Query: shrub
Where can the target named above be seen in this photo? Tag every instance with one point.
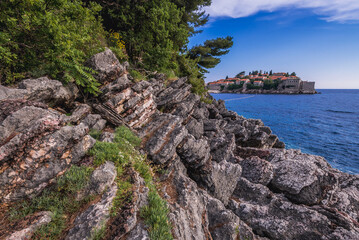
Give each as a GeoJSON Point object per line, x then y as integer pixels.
{"type": "Point", "coordinates": [49, 38]}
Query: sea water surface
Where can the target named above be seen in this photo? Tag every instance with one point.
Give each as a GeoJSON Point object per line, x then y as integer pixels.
{"type": "Point", "coordinates": [325, 124]}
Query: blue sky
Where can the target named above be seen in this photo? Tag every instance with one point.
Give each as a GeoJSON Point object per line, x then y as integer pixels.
{"type": "Point", "coordinates": [317, 39]}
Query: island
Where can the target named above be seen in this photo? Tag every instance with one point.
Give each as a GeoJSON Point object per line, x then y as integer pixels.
{"type": "Point", "coordinates": [259, 82]}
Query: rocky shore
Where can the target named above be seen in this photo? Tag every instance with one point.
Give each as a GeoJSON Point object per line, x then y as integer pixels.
{"type": "Point", "coordinates": [223, 176]}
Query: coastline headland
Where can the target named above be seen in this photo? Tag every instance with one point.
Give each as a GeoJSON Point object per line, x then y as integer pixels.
{"type": "Point", "coordinates": [263, 83]}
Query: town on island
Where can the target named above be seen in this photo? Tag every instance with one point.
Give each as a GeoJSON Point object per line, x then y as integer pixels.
{"type": "Point", "coordinates": [259, 82]}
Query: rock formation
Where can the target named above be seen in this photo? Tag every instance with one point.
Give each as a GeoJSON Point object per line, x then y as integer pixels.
{"type": "Point", "coordinates": [225, 176]}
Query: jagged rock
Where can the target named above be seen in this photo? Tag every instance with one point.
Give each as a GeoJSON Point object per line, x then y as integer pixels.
{"type": "Point", "coordinates": [102, 178]}
{"type": "Point", "coordinates": [257, 170]}
{"type": "Point", "coordinates": [345, 197]}
{"type": "Point", "coordinates": [141, 86]}
{"type": "Point", "coordinates": [93, 218]}
{"type": "Point", "coordinates": [200, 112]}
{"type": "Point", "coordinates": [185, 107]}
{"type": "Point", "coordinates": [37, 220]}
{"type": "Point", "coordinates": [200, 215]}
{"type": "Point", "coordinates": [213, 112]}
{"type": "Point", "coordinates": [171, 96]}
{"type": "Point", "coordinates": [116, 86]}
{"type": "Point", "coordinates": [107, 66]}
{"type": "Point", "coordinates": [223, 224]}
{"type": "Point", "coordinates": [302, 177]}
{"type": "Point", "coordinates": [195, 128]}
{"type": "Point", "coordinates": [12, 93]}
{"type": "Point", "coordinates": [49, 91]}
{"type": "Point", "coordinates": [211, 125]}
{"type": "Point", "coordinates": [194, 153]}
{"type": "Point", "coordinates": [163, 140]}
{"type": "Point", "coordinates": [222, 148]}
{"type": "Point", "coordinates": [94, 121]}
{"type": "Point", "coordinates": [250, 192]}
{"type": "Point", "coordinates": [224, 177]}
{"type": "Point", "coordinates": [36, 149]}
{"type": "Point", "coordinates": [81, 111]}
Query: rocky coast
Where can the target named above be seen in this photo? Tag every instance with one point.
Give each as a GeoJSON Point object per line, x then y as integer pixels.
{"type": "Point", "coordinates": [223, 176]}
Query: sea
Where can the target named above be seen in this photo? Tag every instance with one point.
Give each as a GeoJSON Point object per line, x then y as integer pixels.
{"type": "Point", "coordinates": [325, 124]}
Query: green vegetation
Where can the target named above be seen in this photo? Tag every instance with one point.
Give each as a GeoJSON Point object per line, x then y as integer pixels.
{"type": "Point", "coordinates": [235, 86]}
{"type": "Point", "coordinates": [123, 154]}
{"type": "Point", "coordinates": [138, 76]}
{"type": "Point", "coordinates": [56, 37]}
{"type": "Point", "coordinates": [251, 86]}
{"type": "Point", "coordinates": [95, 133]}
{"type": "Point", "coordinates": [270, 84]}
{"type": "Point", "coordinates": [155, 215]}
{"type": "Point", "coordinates": [60, 200]}
{"type": "Point", "coordinates": [49, 38]}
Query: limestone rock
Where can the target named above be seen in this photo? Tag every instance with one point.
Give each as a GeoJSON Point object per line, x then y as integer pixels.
{"type": "Point", "coordinates": [257, 170]}
{"type": "Point", "coordinates": [102, 178]}
{"type": "Point", "coordinates": [194, 153]}
{"type": "Point", "coordinates": [161, 146]}
{"type": "Point", "coordinates": [93, 218]}
{"type": "Point", "coordinates": [302, 177]}
{"type": "Point", "coordinates": [224, 176]}
{"type": "Point", "coordinates": [107, 66]}
{"type": "Point", "coordinates": [35, 149]}
{"type": "Point", "coordinates": [49, 91]}
{"type": "Point", "coordinates": [195, 128]}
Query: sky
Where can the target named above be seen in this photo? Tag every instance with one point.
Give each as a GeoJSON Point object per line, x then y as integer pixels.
{"type": "Point", "coordinates": [317, 39]}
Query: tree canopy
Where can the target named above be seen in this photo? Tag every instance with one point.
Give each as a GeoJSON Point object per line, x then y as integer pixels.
{"type": "Point", "coordinates": [56, 37]}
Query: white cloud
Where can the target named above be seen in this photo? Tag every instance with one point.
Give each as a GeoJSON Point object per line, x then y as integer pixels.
{"type": "Point", "coordinates": [331, 10]}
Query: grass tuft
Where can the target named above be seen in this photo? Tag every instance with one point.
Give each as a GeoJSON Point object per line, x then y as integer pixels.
{"type": "Point", "coordinates": [156, 216]}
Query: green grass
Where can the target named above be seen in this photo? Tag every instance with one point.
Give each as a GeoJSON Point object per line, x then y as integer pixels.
{"type": "Point", "coordinates": [155, 215]}
{"type": "Point", "coordinates": [60, 200]}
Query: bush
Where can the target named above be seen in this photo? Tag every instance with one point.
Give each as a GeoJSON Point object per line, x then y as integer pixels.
{"type": "Point", "coordinates": [50, 38]}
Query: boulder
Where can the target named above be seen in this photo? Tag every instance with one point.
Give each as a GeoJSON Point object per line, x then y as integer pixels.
{"type": "Point", "coordinates": [194, 153]}
{"type": "Point", "coordinates": [106, 65]}
{"type": "Point", "coordinates": [49, 91]}
{"type": "Point", "coordinates": [224, 176]}
{"type": "Point", "coordinates": [257, 170]}
{"type": "Point", "coordinates": [301, 177]}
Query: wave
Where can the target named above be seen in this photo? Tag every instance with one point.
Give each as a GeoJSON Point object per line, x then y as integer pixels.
{"type": "Point", "coordinates": [335, 111]}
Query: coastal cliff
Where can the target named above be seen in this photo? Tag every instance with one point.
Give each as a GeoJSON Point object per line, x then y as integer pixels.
{"type": "Point", "coordinates": [218, 175]}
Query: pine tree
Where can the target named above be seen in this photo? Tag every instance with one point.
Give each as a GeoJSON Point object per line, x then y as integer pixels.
{"type": "Point", "coordinates": [207, 53]}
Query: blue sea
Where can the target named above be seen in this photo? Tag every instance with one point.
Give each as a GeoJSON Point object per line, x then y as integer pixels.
{"type": "Point", "coordinates": [325, 124]}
